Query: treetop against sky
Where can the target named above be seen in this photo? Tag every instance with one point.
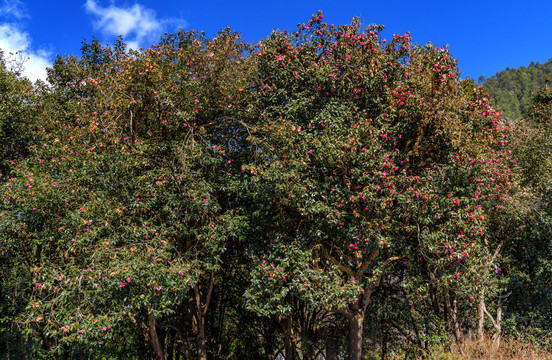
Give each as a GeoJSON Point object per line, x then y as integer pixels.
{"type": "Point", "coordinates": [486, 37]}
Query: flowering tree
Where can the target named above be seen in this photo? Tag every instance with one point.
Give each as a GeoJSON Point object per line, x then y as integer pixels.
{"type": "Point", "coordinates": [17, 113]}
{"type": "Point", "coordinates": [373, 156]}
{"type": "Point", "coordinates": [123, 204]}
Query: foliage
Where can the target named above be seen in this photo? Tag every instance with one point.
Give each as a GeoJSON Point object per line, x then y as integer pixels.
{"type": "Point", "coordinates": [322, 192]}
{"type": "Point", "coordinates": [373, 155]}
{"type": "Point", "coordinates": [512, 89]}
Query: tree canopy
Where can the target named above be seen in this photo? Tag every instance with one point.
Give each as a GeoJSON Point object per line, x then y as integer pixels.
{"type": "Point", "coordinates": [299, 197]}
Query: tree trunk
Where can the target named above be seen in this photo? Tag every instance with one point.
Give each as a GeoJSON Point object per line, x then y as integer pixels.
{"type": "Point", "coordinates": [497, 323]}
{"type": "Point", "coordinates": [356, 319]}
{"type": "Point", "coordinates": [384, 338]}
{"type": "Point", "coordinates": [185, 349]}
{"type": "Point", "coordinates": [457, 331]}
{"type": "Point", "coordinates": [452, 316]}
{"type": "Point", "coordinates": [198, 310]}
{"type": "Point", "coordinates": [198, 326]}
{"type": "Point", "coordinates": [169, 344]}
{"type": "Point", "coordinates": [331, 350]}
{"type": "Point", "coordinates": [153, 336]}
{"type": "Point", "coordinates": [289, 337]}
{"type": "Point", "coordinates": [200, 341]}
{"type": "Point", "coordinates": [498, 326]}
{"type": "Point", "coordinates": [481, 317]}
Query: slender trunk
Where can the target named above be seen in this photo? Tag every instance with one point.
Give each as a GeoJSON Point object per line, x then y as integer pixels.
{"type": "Point", "coordinates": [481, 316]}
{"type": "Point", "coordinates": [446, 311]}
{"type": "Point", "coordinates": [198, 309]}
{"type": "Point", "coordinates": [169, 344]}
{"type": "Point", "coordinates": [185, 350]}
{"type": "Point", "coordinates": [198, 326]}
{"type": "Point", "coordinates": [455, 322]}
{"type": "Point", "coordinates": [356, 319]}
{"type": "Point", "coordinates": [498, 322]}
{"type": "Point", "coordinates": [498, 325]}
{"type": "Point", "coordinates": [154, 337]}
{"type": "Point", "coordinates": [221, 317]}
{"type": "Point", "coordinates": [384, 338]}
{"type": "Point", "coordinates": [434, 300]}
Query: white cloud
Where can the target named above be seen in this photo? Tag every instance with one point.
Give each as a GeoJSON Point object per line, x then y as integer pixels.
{"type": "Point", "coordinates": [13, 40]}
{"type": "Point", "coordinates": [13, 8]}
{"type": "Point", "coordinates": [137, 24]}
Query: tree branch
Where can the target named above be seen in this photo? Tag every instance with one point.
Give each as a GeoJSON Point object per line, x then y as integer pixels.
{"type": "Point", "coordinates": [336, 263]}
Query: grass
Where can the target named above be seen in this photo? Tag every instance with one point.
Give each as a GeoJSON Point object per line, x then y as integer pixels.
{"type": "Point", "coordinates": [509, 349]}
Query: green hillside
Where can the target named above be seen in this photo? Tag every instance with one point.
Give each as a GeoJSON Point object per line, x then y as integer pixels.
{"type": "Point", "coordinates": [512, 88]}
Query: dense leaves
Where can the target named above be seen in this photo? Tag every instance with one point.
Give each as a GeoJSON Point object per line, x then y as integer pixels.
{"type": "Point", "coordinates": [513, 89]}
{"type": "Point", "coordinates": [208, 198]}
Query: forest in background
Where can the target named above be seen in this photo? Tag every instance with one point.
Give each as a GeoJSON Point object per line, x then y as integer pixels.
{"type": "Point", "coordinates": [513, 89]}
{"type": "Point", "coordinates": [322, 193]}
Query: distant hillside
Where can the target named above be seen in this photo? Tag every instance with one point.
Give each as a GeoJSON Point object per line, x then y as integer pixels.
{"type": "Point", "coordinates": [512, 88]}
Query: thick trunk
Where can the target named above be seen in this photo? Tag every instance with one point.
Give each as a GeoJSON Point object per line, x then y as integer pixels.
{"type": "Point", "coordinates": [356, 319]}
{"type": "Point", "coordinates": [154, 337]}
{"type": "Point", "coordinates": [331, 350]}
{"type": "Point", "coordinates": [200, 341]}
{"type": "Point", "coordinates": [311, 353]}
{"type": "Point", "coordinates": [290, 344]}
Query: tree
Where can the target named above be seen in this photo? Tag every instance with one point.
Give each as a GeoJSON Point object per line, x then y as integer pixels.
{"type": "Point", "coordinates": [373, 155]}
{"type": "Point", "coordinates": [124, 205]}
{"type": "Point", "coordinates": [18, 111]}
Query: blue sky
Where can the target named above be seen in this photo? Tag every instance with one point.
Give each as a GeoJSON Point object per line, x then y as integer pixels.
{"type": "Point", "coordinates": [485, 36]}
